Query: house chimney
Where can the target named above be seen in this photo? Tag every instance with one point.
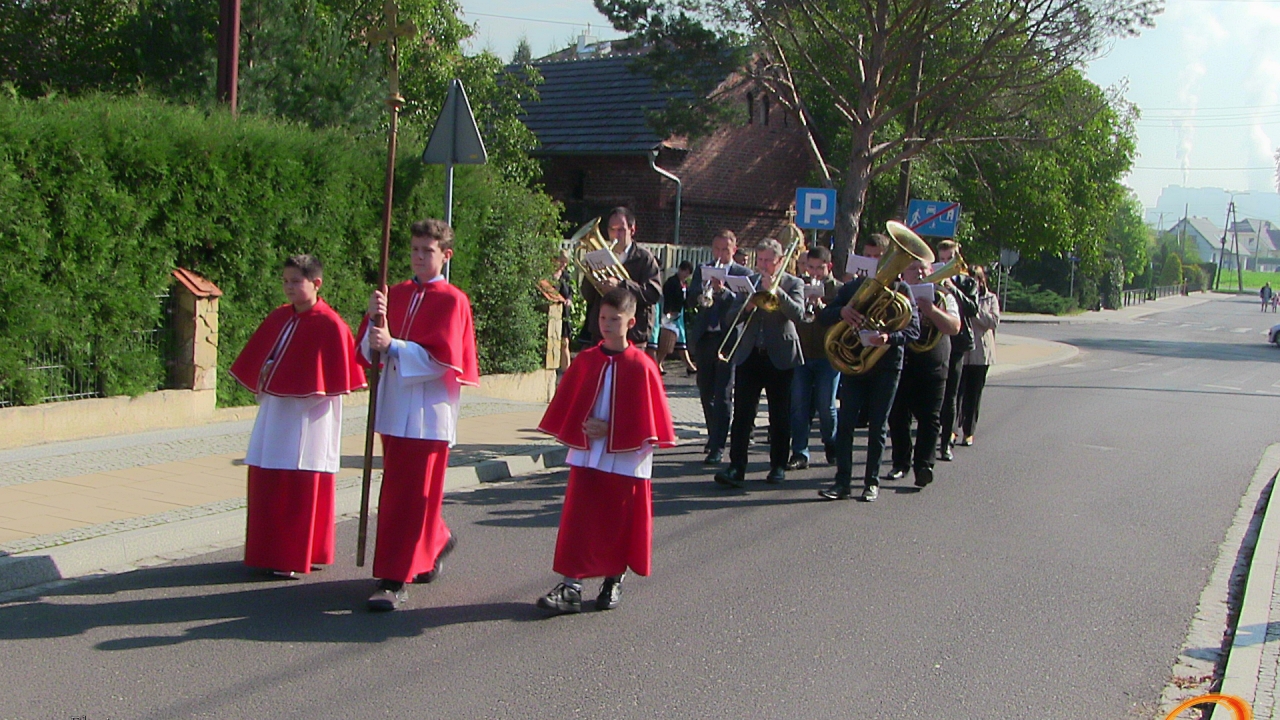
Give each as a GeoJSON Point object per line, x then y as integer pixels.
{"type": "Point", "coordinates": [586, 43]}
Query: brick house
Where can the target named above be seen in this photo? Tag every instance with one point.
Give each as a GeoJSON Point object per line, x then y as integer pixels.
{"type": "Point", "coordinates": [598, 151]}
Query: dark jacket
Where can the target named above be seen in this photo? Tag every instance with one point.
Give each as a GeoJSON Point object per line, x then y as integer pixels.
{"type": "Point", "coordinates": [966, 296]}
{"type": "Point", "coordinates": [781, 342]}
{"type": "Point", "coordinates": [812, 333]}
{"type": "Point", "coordinates": [717, 314]}
{"type": "Point", "coordinates": [644, 284]}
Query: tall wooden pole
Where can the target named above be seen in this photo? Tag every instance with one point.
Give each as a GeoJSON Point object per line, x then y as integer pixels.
{"type": "Point", "coordinates": [388, 34]}
{"type": "Point", "coordinates": [229, 53]}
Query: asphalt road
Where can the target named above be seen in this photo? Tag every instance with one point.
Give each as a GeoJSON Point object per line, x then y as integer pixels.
{"type": "Point", "coordinates": [1051, 571]}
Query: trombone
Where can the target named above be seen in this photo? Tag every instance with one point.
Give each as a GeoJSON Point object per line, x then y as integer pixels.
{"type": "Point", "coordinates": [766, 300]}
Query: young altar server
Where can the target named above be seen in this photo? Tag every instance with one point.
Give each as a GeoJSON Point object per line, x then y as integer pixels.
{"type": "Point", "coordinates": [299, 362]}
{"type": "Point", "coordinates": [429, 352]}
{"type": "Point", "coordinates": [611, 410]}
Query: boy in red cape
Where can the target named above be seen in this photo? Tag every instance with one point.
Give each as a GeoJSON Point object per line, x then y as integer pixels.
{"type": "Point", "coordinates": [428, 345]}
{"type": "Point", "coordinates": [611, 410]}
{"type": "Point", "coordinates": [299, 362]}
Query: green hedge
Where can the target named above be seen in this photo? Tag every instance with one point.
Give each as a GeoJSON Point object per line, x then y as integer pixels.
{"type": "Point", "coordinates": [101, 197]}
{"type": "Point", "coordinates": [1032, 299]}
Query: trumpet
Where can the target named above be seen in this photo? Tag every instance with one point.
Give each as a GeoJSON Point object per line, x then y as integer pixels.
{"type": "Point", "coordinates": [886, 310]}
{"type": "Point", "coordinates": [766, 300]}
{"type": "Point", "coordinates": [603, 275]}
{"type": "Point", "coordinates": [955, 266]}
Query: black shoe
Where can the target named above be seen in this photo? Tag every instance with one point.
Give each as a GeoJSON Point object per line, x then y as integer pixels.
{"type": "Point", "coordinates": [731, 476]}
{"type": "Point", "coordinates": [562, 598]}
{"type": "Point", "coordinates": [798, 462]}
{"type": "Point", "coordinates": [713, 457]}
{"type": "Point", "coordinates": [945, 453]}
{"type": "Point", "coordinates": [389, 596]}
{"type": "Point", "coordinates": [428, 576]}
{"type": "Point", "coordinates": [830, 450]}
{"type": "Point", "coordinates": [836, 492]}
{"type": "Point", "coordinates": [896, 474]}
{"type": "Point", "coordinates": [776, 475]}
{"type": "Point", "coordinates": [610, 594]}
{"type": "Point", "coordinates": [924, 476]}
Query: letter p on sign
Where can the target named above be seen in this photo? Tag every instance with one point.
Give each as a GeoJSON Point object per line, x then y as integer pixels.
{"type": "Point", "coordinates": [816, 208]}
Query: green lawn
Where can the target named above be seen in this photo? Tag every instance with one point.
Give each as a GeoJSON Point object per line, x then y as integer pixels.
{"type": "Point", "coordinates": [1253, 280]}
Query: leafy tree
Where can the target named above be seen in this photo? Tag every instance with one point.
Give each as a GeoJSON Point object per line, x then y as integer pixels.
{"type": "Point", "coordinates": [1171, 271]}
{"type": "Point", "coordinates": [895, 79]}
{"type": "Point", "coordinates": [523, 54]}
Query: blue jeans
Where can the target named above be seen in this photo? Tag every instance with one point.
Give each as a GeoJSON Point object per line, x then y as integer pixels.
{"type": "Point", "coordinates": [813, 387]}
{"type": "Point", "coordinates": [874, 390]}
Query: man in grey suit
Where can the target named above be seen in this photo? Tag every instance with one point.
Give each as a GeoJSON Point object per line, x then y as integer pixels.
{"type": "Point", "coordinates": [764, 360]}
{"type": "Point", "coordinates": [712, 300]}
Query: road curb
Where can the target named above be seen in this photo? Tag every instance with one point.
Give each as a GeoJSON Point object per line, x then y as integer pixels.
{"type": "Point", "coordinates": [168, 541]}
{"type": "Point", "coordinates": [1062, 353]}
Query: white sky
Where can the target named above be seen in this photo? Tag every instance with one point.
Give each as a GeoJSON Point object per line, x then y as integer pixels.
{"type": "Point", "coordinates": [1207, 79]}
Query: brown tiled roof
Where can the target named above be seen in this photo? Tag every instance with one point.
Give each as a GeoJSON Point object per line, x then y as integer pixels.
{"type": "Point", "coordinates": [199, 286]}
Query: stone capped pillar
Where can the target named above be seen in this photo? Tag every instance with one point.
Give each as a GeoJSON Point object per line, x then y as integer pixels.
{"type": "Point", "coordinates": [195, 320]}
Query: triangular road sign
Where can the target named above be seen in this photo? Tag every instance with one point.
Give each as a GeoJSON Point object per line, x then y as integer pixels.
{"type": "Point", "coordinates": [455, 139]}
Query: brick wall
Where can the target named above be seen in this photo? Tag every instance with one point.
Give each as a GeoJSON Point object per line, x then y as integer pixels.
{"type": "Point", "coordinates": [742, 177]}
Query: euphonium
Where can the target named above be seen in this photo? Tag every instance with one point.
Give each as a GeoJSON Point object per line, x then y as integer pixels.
{"type": "Point", "coordinates": [589, 239]}
{"type": "Point", "coordinates": [885, 310]}
{"type": "Point", "coordinates": [928, 341]}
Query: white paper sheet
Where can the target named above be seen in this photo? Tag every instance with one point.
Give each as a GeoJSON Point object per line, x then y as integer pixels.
{"type": "Point", "coordinates": [739, 284]}
{"type": "Point", "coordinates": [861, 266]}
{"type": "Point", "coordinates": [922, 292]}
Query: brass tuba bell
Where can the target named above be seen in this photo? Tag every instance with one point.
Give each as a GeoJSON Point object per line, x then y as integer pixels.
{"type": "Point", "coordinates": [886, 310]}
{"type": "Point", "coordinates": [955, 266]}
{"type": "Point", "coordinates": [590, 240]}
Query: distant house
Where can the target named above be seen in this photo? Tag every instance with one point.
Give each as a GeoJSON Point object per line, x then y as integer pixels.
{"type": "Point", "coordinates": [1257, 242]}
{"type": "Point", "coordinates": [598, 151]}
{"type": "Point", "coordinates": [1205, 234]}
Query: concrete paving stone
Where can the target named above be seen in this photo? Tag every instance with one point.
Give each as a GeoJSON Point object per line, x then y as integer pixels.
{"type": "Point", "coordinates": [7, 535]}
{"type": "Point", "coordinates": [38, 524]}
{"type": "Point", "coordinates": [134, 474]}
{"type": "Point", "coordinates": [90, 515]}
{"type": "Point", "coordinates": [107, 479]}
{"type": "Point", "coordinates": [51, 487]}
{"type": "Point", "coordinates": [140, 506]}
{"type": "Point", "coordinates": [20, 509]}
{"type": "Point", "coordinates": [66, 502]}
{"type": "Point", "coordinates": [13, 494]}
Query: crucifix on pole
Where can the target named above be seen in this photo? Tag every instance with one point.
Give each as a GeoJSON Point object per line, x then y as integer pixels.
{"type": "Point", "coordinates": [389, 33]}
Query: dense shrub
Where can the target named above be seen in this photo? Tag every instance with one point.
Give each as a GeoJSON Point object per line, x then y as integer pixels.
{"type": "Point", "coordinates": [1112, 285]}
{"type": "Point", "coordinates": [100, 198]}
{"type": "Point", "coordinates": [1031, 299]}
{"type": "Point", "coordinates": [1171, 271]}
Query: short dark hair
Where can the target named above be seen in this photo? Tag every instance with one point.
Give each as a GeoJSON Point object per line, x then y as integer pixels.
{"type": "Point", "coordinates": [948, 245]}
{"type": "Point", "coordinates": [819, 253]}
{"type": "Point", "coordinates": [685, 265]}
{"type": "Point", "coordinates": [727, 234]}
{"type": "Point", "coordinates": [625, 212]}
{"type": "Point", "coordinates": [620, 298]}
{"type": "Point", "coordinates": [309, 265]}
{"type": "Point", "coordinates": [434, 229]}
{"type": "Point", "coordinates": [880, 240]}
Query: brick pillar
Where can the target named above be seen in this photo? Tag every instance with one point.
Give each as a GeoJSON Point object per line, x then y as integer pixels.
{"type": "Point", "coordinates": [555, 323]}
{"type": "Point", "coordinates": [195, 318]}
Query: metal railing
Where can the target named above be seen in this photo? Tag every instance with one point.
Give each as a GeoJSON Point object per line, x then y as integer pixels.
{"type": "Point", "coordinates": [1136, 296]}
{"type": "Point", "coordinates": [67, 371]}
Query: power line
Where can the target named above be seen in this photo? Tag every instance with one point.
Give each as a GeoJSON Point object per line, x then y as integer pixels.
{"type": "Point", "coordinates": [1198, 169]}
{"type": "Point", "coordinates": [537, 20]}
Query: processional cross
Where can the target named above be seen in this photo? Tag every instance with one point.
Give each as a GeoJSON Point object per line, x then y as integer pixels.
{"type": "Point", "coordinates": [389, 33]}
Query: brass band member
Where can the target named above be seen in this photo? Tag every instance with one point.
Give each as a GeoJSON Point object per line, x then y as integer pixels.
{"type": "Point", "coordinates": [764, 359]}
{"type": "Point", "coordinates": [645, 282]}
{"type": "Point", "coordinates": [872, 392]}
{"type": "Point", "coordinates": [965, 291]}
{"type": "Point", "coordinates": [815, 383]}
{"type": "Point", "coordinates": [924, 377]}
{"type": "Point", "coordinates": [711, 300]}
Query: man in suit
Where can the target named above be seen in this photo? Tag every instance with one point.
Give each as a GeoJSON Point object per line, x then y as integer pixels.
{"type": "Point", "coordinates": [645, 279]}
{"type": "Point", "coordinates": [815, 383]}
{"type": "Point", "coordinates": [764, 360]}
{"type": "Point", "coordinates": [711, 300]}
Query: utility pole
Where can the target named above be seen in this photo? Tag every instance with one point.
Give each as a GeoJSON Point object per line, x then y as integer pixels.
{"type": "Point", "coordinates": [904, 170]}
{"type": "Point", "coordinates": [229, 53]}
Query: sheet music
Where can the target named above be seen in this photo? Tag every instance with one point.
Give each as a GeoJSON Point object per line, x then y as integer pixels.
{"type": "Point", "coordinates": [923, 291]}
{"type": "Point", "coordinates": [813, 291]}
{"type": "Point", "coordinates": [936, 267]}
{"type": "Point", "coordinates": [861, 266]}
{"type": "Point", "coordinates": [598, 259]}
{"type": "Point", "coordinates": [711, 271]}
{"type": "Point", "coordinates": [739, 284]}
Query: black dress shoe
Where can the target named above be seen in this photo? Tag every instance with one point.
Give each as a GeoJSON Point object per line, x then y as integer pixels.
{"type": "Point", "coordinates": [836, 492]}
{"type": "Point", "coordinates": [896, 474]}
{"type": "Point", "coordinates": [732, 477]}
{"type": "Point", "coordinates": [713, 458]}
{"type": "Point", "coordinates": [798, 462]}
{"type": "Point", "coordinates": [776, 475]}
{"type": "Point", "coordinates": [830, 450]}
{"type": "Point", "coordinates": [945, 453]}
{"type": "Point", "coordinates": [389, 596]}
{"type": "Point", "coordinates": [924, 476]}
{"type": "Point", "coordinates": [428, 576]}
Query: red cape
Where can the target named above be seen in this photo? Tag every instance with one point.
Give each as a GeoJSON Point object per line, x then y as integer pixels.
{"type": "Point", "coordinates": [440, 322]}
{"type": "Point", "coordinates": [316, 355]}
{"type": "Point", "coordinates": [638, 410]}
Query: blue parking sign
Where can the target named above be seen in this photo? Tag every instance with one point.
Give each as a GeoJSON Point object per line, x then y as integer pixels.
{"type": "Point", "coordinates": [936, 218]}
{"type": "Point", "coordinates": [815, 208]}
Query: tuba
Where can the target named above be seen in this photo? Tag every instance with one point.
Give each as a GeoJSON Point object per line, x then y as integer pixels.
{"type": "Point", "coordinates": [955, 266]}
{"type": "Point", "coordinates": [885, 310]}
{"type": "Point", "coordinates": [590, 240]}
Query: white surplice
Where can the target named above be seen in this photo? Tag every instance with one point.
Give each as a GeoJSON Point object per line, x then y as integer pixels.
{"type": "Point", "coordinates": [636, 464]}
{"type": "Point", "coordinates": [297, 434]}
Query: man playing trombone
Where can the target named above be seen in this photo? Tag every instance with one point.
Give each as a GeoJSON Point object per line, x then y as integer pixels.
{"type": "Point", "coordinates": [764, 356]}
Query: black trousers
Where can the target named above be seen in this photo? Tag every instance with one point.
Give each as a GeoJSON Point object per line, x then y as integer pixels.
{"type": "Point", "coordinates": [757, 373]}
{"type": "Point", "coordinates": [971, 385]}
{"type": "Point", "coordinates": [919, 396]}
{"type": "Point", "coordinates": [950, 398]}
{"type": "Point", "coordinates": [715, 389]}
{"type": "Point", "coordinates": [869, 396]}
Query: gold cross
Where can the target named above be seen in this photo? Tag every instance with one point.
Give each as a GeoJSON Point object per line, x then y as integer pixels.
{"type": "Point", "coordinates": [389, 33]}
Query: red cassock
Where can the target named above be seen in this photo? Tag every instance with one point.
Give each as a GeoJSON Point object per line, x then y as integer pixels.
{"type": "Point", "coordinates": [606, 525]}
{"type": "Point", "coordinates": [295, 357]}
{"type": "Point", "coordinates": [411, 527]}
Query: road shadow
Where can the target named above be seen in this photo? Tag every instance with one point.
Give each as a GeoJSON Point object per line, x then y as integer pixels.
{"type": "Point", "coordinates": [276, 612]}
{"type": "Point", "coordinates": [1184, 349]}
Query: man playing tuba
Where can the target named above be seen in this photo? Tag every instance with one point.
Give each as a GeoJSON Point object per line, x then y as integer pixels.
{"type": "Point", "coordinates": [644, 280]}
